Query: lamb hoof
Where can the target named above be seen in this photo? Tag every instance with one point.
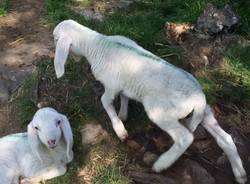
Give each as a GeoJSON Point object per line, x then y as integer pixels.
{"type": "Point", "coordinates": [242, 179]}
{"type": "Point", "coordinates": [120, 130]}
{"type": "Point", "coordinates": [240, 174]}
{"type": "Point", "coordinates": [157, 168]}
{"type": "Point", "coordinates": [123, 136]}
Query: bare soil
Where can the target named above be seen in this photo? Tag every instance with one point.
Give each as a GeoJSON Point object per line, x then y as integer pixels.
{"type": "Point", "coordinates": [24, 38]}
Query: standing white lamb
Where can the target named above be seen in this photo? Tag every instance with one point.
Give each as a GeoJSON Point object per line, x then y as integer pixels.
{"type": "Point", "coordinates": [39, 154]}
{"type": "Point", "coordinates": [167, 93]}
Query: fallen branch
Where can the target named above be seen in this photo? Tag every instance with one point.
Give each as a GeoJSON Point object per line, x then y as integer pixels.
{"type": "Point", "coordinates": [147, 177]}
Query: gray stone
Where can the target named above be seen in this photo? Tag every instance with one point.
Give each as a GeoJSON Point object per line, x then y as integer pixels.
{"type": "Point", "coordinates": [149, 158]}
{"type": "Point", "coordinates": [214, 21]}
{"type": "Point", "coordinates": [99, 9]}
{"type": "Point", "coordinates": [92, 15]}
{"type": "Point", "coordinates": [93, 134]}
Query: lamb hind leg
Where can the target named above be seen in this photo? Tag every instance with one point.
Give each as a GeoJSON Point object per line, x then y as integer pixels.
{"type": "Point", "coordinates": [182, 140]}
{"type": "Point", "coordinates": [226, 143]}
{"type": "Point", "coordinates": [117, 124]}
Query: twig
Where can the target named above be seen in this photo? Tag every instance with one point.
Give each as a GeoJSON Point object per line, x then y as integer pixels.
{"type": "Point", "coordinates": [16, 41]}
{"type": "Point", "coordinates": [171, 54]}
{"type": "Point", "coordinates": [14, 97]}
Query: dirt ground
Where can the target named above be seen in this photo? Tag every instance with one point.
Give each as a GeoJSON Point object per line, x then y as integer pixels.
{"type": "Point", "coordinates": [23, 39]}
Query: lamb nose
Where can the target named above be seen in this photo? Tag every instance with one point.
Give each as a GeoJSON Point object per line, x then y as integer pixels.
{"type": "Point", "coordinates": [51, 142]}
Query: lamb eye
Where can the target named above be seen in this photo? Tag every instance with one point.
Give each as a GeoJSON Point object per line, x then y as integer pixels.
{"type": "Point", "coordinates": [36, 128]}
{"type": "Point", "coordinates": [58, 122]}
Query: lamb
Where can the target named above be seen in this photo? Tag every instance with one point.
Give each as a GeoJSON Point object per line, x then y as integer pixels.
{"type": "Point", "coordinates": [40, 153]}
{"type": "Point", "coordinates": [167, 93]}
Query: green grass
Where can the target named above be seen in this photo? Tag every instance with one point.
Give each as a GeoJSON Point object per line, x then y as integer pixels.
{"type": "Point", "coordinates": [74, 93]}
{"type": "Point", "coordinates": [237, 72]}
{"type": "Point", "coordinates": [209, 87]}
{"type": "Point", "coordinates": [110, 175]}
{"type": "Point", "coordinates": [4, 7]}
{"type": "Point", "coordinates": [26, 98]}
{"type": "Point", "coordinates": [231, 83]}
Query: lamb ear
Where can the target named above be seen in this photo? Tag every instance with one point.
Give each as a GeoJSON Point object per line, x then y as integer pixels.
{"type": "Point", "coordinates": [67, 132]}
{"type": "Point", "coordinates": [61, 55]}
{"type": "Point", "coordinates": [33, 140]}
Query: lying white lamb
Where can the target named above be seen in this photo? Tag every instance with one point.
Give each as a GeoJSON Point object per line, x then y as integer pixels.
{"type": "Point", "coordinates": [41, 153]}
{"type": "Point", "coordinates": [167, 93]}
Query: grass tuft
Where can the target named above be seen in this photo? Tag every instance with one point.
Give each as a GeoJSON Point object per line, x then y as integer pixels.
{"type": "Point", "coordinates": [110, 175]}
{"type": "Point", "coordinates": [26, 96]}
{"type": "Point", "coordinates": [4, 7]}
{"type": "Point", "coordinates": [209, 87]}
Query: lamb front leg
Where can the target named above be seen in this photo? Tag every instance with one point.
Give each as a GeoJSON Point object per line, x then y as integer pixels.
{"type": "Point", "coordinates": [123, 113]}
{"type": "Point", "coordinates": [46, 174]}
{"type": "Point", "coordinates": [107, 102]}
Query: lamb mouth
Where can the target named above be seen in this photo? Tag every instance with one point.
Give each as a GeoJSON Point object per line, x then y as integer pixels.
{"type": "Point", "coordinates": [52, 147]}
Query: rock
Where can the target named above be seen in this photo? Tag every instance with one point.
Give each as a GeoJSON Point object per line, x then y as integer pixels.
{"type": "Point", "coordinates": [4, 93]}
{"type": "Point", "coordinates": [201, 146]}
{"type": "Point", "coordinates": [93, 134]}
{"type": "Point", "coordinates": [99, 9]}
{"type": "Point", "coordinates": [149, 158]}
{"type": "Point", "coordinates": [133, 145]}
{"type": "Point", "coordinates": [194, 173]}
{"type": "Point", "coordinates": [214, 21]}
{"type": "Point", "coordinates": [135, 150]}
{"type": "Point", "coordinates": [222, 160]}
{"type": "Point", "coordinates": [92, 15]}
{"type": "Point", "coordinates": [162, 142]}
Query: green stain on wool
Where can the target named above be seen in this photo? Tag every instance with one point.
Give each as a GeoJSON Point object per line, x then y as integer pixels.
{"type": "Point", "coordinates": [153, 57]}
{"type": "Point", "coordinates": [141, 53]}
